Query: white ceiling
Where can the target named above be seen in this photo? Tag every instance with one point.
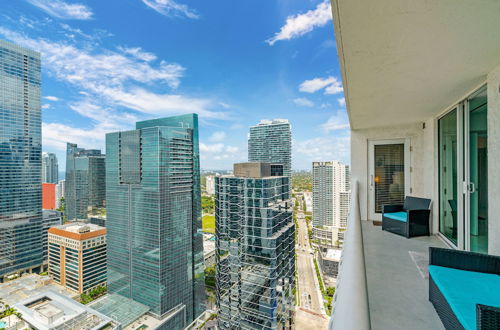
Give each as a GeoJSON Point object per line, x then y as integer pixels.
{"type": "Point", "coordinates": [404, 61]}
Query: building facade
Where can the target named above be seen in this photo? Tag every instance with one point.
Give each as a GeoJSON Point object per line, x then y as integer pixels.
{"type": "Point", "coordinates": [77, 256]}
{"type": "Point", "coordinates": [270, 141]}
{"type": "Point", "coordinates": [60, 192]}
{"type": "Point", "coordinates": [50, 218]}
{"type": "Point", "coordinates": [255, 249]}
{"type": "Point", "coordinates": [20, 160]}
{"type": "Point", "coordinates": [50, 168]}
{"type": "Point", "coordinates": [154, 217]}
{"type": "Point", "coordinates": [48, 196]}
{"type": "Point", "coordinates": [85, 187]}
{"type": "Point", "coordinates": [331, 194]}
{"type": "Point", "coordinates": [210, 184]}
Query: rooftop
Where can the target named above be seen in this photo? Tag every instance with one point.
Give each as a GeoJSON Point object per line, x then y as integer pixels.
{"type": "Point", "coordinates": [30, 285]}
{"type": "Point", "coordinates": [276, 121]}
{"type": "Point", "coordinates": [78, 230]}
{"type": "Point", "coordinates": [333, 254]}
{"type": "Point", "coordinates": [51, 310]}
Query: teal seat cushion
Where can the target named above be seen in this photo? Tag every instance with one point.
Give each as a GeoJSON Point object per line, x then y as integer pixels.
{"type": "Point", "coordinates": [463, 290]}
{"type": "Point", "coordinates": [400, 216]}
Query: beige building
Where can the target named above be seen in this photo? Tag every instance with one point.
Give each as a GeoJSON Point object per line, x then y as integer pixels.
{"type": "Point", "coordinates": [77, 256]}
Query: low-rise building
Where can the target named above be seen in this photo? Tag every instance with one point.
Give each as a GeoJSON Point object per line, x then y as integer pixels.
{"type": "Point", "coordinates": [51, 310]}
{"type": "Point", "coordinates": [99, 220]}
{"type": "Point", "coordinates": [329, 260]}
{"type": "Point", "coordinates": [77, 256]}
{"type": "Point", "coordinates": [209, 250]}
{"type": "Point", "coordinates": [328, 236]}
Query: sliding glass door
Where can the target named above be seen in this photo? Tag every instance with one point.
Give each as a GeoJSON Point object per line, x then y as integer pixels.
{"type": "Point", "coordinates": [463, 174]}
{"type": "Point", "coordinates": [448, 176]}
{"type": "Point", "coordinates": [476, 194]}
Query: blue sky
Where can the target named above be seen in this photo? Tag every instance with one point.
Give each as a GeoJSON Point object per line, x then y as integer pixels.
{"type": "Point", "coordinates": [107, 64]}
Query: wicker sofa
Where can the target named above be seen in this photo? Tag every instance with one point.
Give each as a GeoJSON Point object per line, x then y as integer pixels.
{"type": "Point", "coordinates": [410, 219]}
{"type": "Point", "coordinates": [464, 288]}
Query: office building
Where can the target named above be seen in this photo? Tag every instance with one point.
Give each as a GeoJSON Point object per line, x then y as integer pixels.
{"type": "Point", "coordinates": [424, 114]}
{"type": "Point", "coordinates": [255, 249]}
{"type": "Point", "coordinates": [50, 168]}
{"type": "Point", "coordinates": [77, 256]}
{"type": "Point", "coordinates": [20, 161]}
{"type": "Point", "coordinates": [50, 219]}
{"type": "Point", "coordinates": [210, 184]}
{"type": "Point", "coordinates": [85, 187]}
{"type": "Point", "coordinates": [330, 194]}
{"type": "Point", "coordinates": [48, 196]}
{"type": "Point", "coordinates": [60, 193]}
{"type": "Point", "coordinates": [154, 218]}
{"type": "Point", "coordinates": [99, 220]}
{"type": "Point", "coordinates": [270, 141]}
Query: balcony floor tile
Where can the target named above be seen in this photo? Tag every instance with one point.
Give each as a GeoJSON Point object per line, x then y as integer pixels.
{"type": "Point", "coordinates": [397, 290]}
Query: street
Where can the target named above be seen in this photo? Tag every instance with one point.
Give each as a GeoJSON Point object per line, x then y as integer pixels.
{"type": "Point", "coordinates": [310, 312]}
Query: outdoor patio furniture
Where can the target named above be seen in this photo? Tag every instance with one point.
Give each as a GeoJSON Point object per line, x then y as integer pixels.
{"type": "Point", "coordinates": [464, 288]}
{"type": "Point", "coordinates": [410, 219]}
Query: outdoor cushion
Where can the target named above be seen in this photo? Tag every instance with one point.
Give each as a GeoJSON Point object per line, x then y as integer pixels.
{"type": "Point", "coordinates": [464, 289]}
{"type": "Point", "coordinates": [400, 216]}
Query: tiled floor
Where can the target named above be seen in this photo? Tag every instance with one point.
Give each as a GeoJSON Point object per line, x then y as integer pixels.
{"type": "Point", "coordinates": [397, 287]}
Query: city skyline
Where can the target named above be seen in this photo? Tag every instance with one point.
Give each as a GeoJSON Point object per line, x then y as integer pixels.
{"type": "Point", "coordinates": [219, 73]}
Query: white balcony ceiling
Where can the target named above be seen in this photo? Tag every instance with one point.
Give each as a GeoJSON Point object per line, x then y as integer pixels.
{"type": "Point", "coordinates": [404, 61]}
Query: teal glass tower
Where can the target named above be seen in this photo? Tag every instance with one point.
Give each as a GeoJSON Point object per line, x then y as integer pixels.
{"type": "Point", "coordinates": [155, 243]}
{"type": "Point", "coordinates": [20, 160]}
{"type": "Point", "coordinates": [255, 248]}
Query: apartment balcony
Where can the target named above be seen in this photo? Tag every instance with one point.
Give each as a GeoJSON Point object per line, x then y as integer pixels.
{"type": "Point", "coordinates": [383, 281]}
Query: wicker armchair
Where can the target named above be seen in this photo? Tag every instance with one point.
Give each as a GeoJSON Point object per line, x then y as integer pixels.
{"type": "Point", "coordinates": [410, 219]}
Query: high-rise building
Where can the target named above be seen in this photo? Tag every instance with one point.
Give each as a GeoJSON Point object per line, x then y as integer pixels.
{"type": "Point", "coordinates": [154, 218]}
{"type": "Point", "coordinates": [210, 184]}
{"type": "Point", "coordinates": [255, 248]}
{"type": "Point", "coordinates": [20, 160]}
{"type": "Point", "coordinates": [48, 196]}
{"type": "Point", "coordinates": [77, 256]}
{"type": "Point", "coordinates": [60, 188]}
{"type": "Point", "coordinates": [50, 168]}
{"type": "Point", "coordinates": [331, 194]}
{"type": "Point", "coordinates": [270, 141]}
{"type": "Point", "coordinates": [85, 187]}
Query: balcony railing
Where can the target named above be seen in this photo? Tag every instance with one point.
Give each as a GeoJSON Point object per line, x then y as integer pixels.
{"type": "Point", "coordinates": [350, 303]}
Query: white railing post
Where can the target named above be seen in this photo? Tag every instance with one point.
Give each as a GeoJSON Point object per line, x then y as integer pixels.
{"type": "Point", "coordinates": [350, 303]}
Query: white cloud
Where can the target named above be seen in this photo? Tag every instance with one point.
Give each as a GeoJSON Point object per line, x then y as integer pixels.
{"type": "Point", "coordinates": [171, 8]}
{"type": "Point", "coordinates": [51, 98]}
{"type": "Point", "coordinates": [45, 106]}
{"type": "Point", "coordinates": [231, 149]}
{"type": "Point", "coordinates": [303, 102]}
{"type": "Point", "coordinates": [211, 148]}
{"type": "Point", "coordinates": [331, 84]}
{"type": "Point", "coordinates": [341, 101]}
{"type": "Point", "coordinates": [139, 53]}
{"type": "Point", "coordinates": [339, 121]}
{"type": "Point", "coordinates": [217, 137]}
{"type": "Point", "coordinates": [117, 78]}
{"type": "Point", "coordinates": [334, 88]}
{"type": "Point", "coordinates": [321, 149]}
{"type": "Point", "coordinates": [63, 10]}
{"type": "Point", "coordinates": [298, 25]}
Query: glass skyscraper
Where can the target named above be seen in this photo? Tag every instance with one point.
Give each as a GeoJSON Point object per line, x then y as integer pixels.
{"type": "Point", "coordinates": [271, 142]}
{"type": "Point", "coordinates": [85, 187]}
{"type": "Point", "coordinates": [20, 160]}
{"type": "Point", "coordinates": [255, 249]}
{"type": "Point", "coordinates": [155, 242]}
{"type": "Point", "coordinates": [50, 168]}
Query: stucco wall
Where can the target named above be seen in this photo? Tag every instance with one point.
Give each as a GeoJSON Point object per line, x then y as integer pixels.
{"type": "Point", "coordinates": [494, 161]}
{"type": "Point", "coordinates": [421, 158]}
